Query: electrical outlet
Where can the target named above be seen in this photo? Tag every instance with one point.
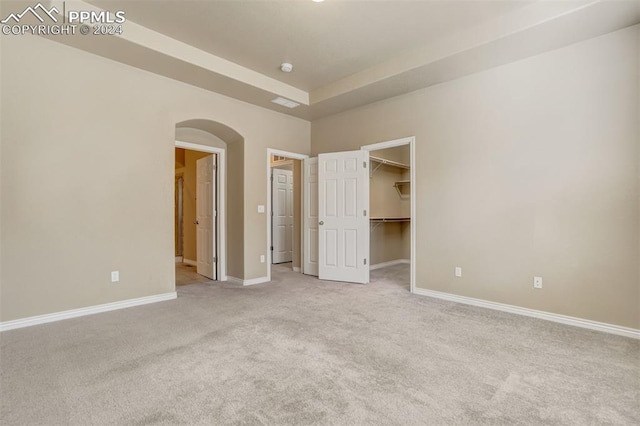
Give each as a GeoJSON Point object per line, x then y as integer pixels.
{"type": "Point", "coordinates": [115, 276]}
{"type": "Point", "coordinates": [262, 258]}
{"type": "Point", "coordinates": [260, 208]}
{"type": "Point", "coordinates": [537, 282]}
{"type": "Point", "coordinates": [458, 271]}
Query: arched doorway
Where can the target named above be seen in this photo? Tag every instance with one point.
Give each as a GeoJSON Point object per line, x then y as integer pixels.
{"type": "Point", "coordinates": [208, 201]}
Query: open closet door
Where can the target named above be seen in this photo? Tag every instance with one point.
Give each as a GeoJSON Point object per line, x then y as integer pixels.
{"type": "Point", "coordinates": [205, 237]}
{"type": "Point", "coordinates": [282, 216]}
{"type": "Point", "coordinates": [310, 217]}
{"type": "Point", "coordinates": [343, 231]}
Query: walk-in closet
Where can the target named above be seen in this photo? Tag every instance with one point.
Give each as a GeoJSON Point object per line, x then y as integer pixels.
{"type": "Point", "coordinates": [390, 204]}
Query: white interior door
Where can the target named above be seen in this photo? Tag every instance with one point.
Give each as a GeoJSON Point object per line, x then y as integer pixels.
{"type": "Point", "coordinates": [206, 184]}
{"type": "Point", "coordinates": [310, 219]}
{"type": "Point", "coordinates": [343, 203]}
{"type": "Point", "coordinates": [282, 216]}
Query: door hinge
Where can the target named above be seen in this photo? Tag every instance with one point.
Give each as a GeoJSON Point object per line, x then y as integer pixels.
{"type": "Point", "coordinates": [271, 248]}
{"type": "Point", "coordinates": [365, 213]}
{"type": "Point", "coordinates": [215, 259]}
{"type": "Point", "coordinates": [365, 261]}
{"type": "Point", "coordinates": [364, 164]}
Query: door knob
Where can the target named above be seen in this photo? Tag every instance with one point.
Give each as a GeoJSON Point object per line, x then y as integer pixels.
{"type": "Point", "coordinates": [321, 222]}
{"type": "Point", "coordinates": [196, 223]}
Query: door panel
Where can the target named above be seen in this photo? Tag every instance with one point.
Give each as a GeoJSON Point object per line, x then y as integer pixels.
{"type": "Point", "coordinates": [343, 202]}
{"type": "Point", "coordinates": [331, 198]}
{"type": "Point", "coordinates": [310, 219]}
{"type": "Point", "coordinates": [350, 248]}
{"type": "Point", "coordinates": [282, 216]}
{"type": "Point", "coordinates": [205, 196]}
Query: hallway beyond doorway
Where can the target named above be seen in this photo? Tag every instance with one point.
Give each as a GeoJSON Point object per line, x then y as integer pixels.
{"type": "Point", "coordinates": [186, 274]}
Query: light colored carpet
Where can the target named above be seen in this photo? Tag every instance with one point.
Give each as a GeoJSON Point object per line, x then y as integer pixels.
{"type": "Point", "coordinates": [301, 351]}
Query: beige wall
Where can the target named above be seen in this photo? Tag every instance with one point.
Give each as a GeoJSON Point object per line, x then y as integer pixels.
{"type": "Point", "coordinates": [527, 169]}
{"type": "Point", "coordinates": [235, 222]}
{"type": "Point", "coordinates": [386, 242]}
{"type": "Point", "coordinates": [384, 200]}
{"type": "Point", "coordinates": [405, 228]}
{"type": "Point", "coordinates": [61, 236]}
{"type": "Point", "coordinates": [190, 188]}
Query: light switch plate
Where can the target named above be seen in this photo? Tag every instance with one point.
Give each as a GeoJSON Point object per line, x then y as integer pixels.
{"type": "Point", "coordinates": [260, 208]}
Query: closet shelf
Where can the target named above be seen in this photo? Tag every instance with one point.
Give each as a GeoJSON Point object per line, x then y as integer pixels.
{"type": "Point", "coordinates": [400, 183]}
{"type": "Point", "coordinates": [382, 161]}
{"type": "Point", "coordinates": [376, 221]}
{"type": "Point", "coordinates": [390, 219]}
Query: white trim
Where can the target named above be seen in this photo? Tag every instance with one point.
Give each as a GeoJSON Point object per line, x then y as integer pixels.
{"type": "Point", "coordinates": [189, 262]}
{"type": "Point", "coordinates": [411, 141]}
{"type": "Point", "coordinates": [295, 156]}
{"type": "Point", "coordinates": [252, 281]}
{"type": "Point", "coordinates": [562, 319]}
{"type": "Point", "coordinates": [389, 263]}
{"type": "Point", "coordinates": [179, 259]}
{"type": "Point", "coordinates": [90, 310]}
{"type": "Point", "coordinates": [388, 144]}
{"type": "Point", "coordinates": [297, 268]}
{"type": "Point", "coordinates": [220, 198]}
{"type": "Point", "coordinates": [234, 280]}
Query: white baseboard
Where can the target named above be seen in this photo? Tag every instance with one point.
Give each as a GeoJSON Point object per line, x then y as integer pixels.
{"type": "Point", "coordinates": [178, 259]}
{"type": "Point", "coordinates": [90, 310]}
{"type": "Point", "coordinates": [562, 319]}
{"type": "Point", "coordinates": [189, 262]}
{"type": "Point", "coordinates": [387, 264]}
{"type": "Point", "coordinates": [252, 281]}
{"type": "Point", "coordinates": [297, 269]}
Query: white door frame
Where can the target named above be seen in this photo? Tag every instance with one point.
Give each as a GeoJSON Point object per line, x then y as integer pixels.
{"type": "Point", "coordinates": [294, 156]}
{"type": "Point", "coordinates": [411, 141]}
{"type": "Point", "coordinates": [219, 197]}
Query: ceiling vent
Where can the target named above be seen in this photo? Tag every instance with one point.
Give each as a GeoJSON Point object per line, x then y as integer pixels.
{"type": "Point", "coordinates": [285, 102]}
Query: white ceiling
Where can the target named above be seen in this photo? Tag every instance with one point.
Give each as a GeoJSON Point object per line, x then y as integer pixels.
{"type": "Point", "coordinates": [324, 41]}
{"type": "Point", "coordinates": [346, 53]}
